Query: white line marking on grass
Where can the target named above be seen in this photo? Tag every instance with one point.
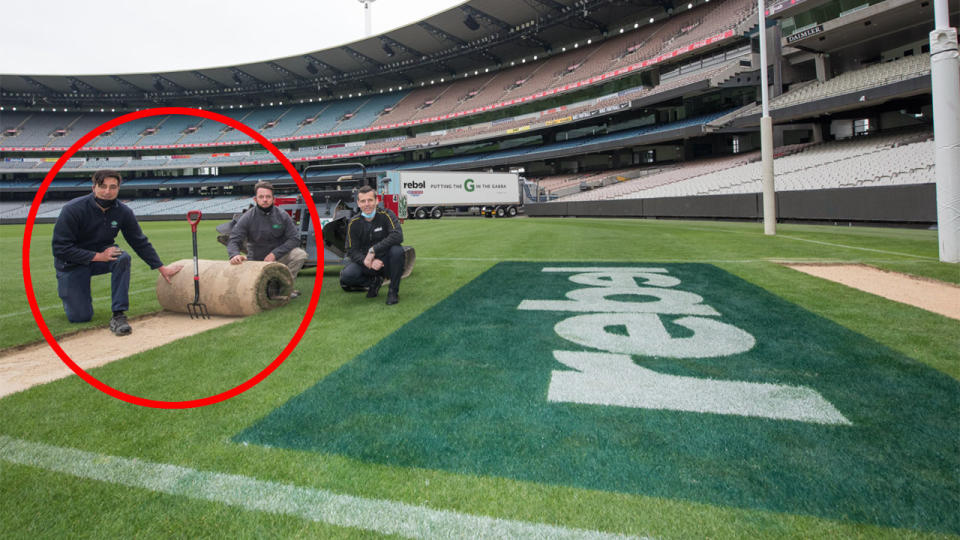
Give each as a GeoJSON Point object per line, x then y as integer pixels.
{"type": "Point", "coordinates": [97, 299]}
{"type": "Point", "coordinates": [383, 516]}
{"type": "Point", "coordinates": [859, 248]}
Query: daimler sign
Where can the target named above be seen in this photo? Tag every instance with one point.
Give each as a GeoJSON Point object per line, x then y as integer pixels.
{"type": "Point", "coordinates": [804, 34]}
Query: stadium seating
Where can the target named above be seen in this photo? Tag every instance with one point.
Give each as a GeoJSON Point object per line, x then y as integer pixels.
{"type": "Point", "coordinates": [894, 159]}
{"type": "Point", "coordinates": [873, 76]}
{"type": "Point", "coordinates": [521, 80]}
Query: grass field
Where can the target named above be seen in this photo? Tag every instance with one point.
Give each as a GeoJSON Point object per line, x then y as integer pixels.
{"type": "Point", "coordinates": [75, 462]}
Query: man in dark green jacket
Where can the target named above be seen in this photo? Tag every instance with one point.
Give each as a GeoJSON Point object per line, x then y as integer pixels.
{"type": "Point", "coordinates": [83, 246]}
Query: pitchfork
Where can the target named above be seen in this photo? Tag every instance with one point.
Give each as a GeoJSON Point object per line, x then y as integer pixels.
{"type": "Point", "coordinates": [196, 310]}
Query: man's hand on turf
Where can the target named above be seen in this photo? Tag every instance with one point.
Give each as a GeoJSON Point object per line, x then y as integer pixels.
{"type": "Point", "coordinates": [169, 271]}
{"type": "Point", "coordinates": [237, 259]}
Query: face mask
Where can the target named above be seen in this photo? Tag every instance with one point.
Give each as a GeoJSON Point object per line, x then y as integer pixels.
{"type": "Point", "coordinates": [103, 203]}
{"type": "Point", "coordinates": [368, 216]}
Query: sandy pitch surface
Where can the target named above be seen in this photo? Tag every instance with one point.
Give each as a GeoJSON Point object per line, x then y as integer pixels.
{"type": "Point", "coordinates": [936, 296]}
{"type": "Point", "coordinates": [23, 367]}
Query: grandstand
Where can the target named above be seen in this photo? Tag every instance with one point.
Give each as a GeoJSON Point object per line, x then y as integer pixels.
{"type": "Point", "coordinates": [631, 374]}
{"type": "Point", "coordinates": [653, 102]}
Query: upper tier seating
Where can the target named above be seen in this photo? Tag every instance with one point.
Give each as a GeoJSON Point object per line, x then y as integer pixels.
{"type": "Point", "coordinates": [421, 104]}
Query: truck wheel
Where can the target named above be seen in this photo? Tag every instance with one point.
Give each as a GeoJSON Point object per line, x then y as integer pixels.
{"type": "Point", "coordinates": [436, 213]}
{"type": "Point", "coordinates": [500, 211]}
{"type": "Point", "coordinates": [420, 213]}
{"type": "Point", "coordinates": [512, 211]}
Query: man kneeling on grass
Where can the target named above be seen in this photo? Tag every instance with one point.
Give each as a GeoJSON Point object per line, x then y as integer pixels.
{"type": "Point", "coordinates": [373, 247]}
{"type": "Point", "coordinates": [83, 246]}
{"type": "Point", "coordinates": [268, 233]}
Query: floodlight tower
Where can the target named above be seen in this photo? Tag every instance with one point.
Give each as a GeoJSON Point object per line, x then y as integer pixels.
{"type": "Point", "coordinates": [367, 25]}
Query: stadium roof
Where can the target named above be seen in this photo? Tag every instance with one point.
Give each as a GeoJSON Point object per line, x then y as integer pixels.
{"type": "Point", "coordinates": [475, 36]}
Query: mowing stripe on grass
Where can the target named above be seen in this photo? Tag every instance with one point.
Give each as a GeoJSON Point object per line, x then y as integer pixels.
{"type": "Point", "coordinates": [319, 505]}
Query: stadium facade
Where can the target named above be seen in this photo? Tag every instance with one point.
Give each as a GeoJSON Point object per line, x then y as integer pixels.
{"type": "Point", "coordinates": [642, 108]}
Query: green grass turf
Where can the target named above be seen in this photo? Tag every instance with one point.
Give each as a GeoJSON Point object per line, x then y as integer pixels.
{"type": "Point", "coordinates": [461, 389]}
{"type": "Point", "coordinates": [450, 254]}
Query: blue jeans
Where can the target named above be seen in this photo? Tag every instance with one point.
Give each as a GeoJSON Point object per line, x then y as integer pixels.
{"type": "Point", "coordinates": [73, 286]}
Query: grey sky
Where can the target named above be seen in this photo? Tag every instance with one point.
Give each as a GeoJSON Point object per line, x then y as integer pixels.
{"type": "Point", "coordinates": [73, 37]}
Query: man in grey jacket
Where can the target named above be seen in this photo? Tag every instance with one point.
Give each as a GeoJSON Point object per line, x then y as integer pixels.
{"type": "Point", "coordinates": [269, 233]}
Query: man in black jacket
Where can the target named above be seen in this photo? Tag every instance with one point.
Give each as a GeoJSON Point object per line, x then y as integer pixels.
{"type": "Point", "coordinates": [373, 247]}
{"type": "Point", "coordinates": [270, 235]}
{"type": "Point", "coordinates": [83, 246]}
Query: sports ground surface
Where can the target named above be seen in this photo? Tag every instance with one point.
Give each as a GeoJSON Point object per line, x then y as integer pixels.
{"type": "Point", "coordinates": [539, 378]}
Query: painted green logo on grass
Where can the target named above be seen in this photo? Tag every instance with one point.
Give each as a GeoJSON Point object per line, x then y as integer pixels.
{"type": "Point", "coordinates": [678, 381]}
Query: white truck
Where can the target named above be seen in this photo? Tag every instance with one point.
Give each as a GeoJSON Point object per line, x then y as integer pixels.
{"type": "Point", "coordinates": [424, 194]}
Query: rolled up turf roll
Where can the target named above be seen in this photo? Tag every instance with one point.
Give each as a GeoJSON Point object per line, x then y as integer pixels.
{"type": "Point", "coordinates": [227, 289]}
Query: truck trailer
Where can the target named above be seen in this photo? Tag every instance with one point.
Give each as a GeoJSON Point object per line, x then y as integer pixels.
{"type": "Point", "coordinates": [433, 194]}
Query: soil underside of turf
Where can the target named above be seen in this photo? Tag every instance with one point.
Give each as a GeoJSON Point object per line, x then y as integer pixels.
{"type": "Point", "coordinates": [29, 365]}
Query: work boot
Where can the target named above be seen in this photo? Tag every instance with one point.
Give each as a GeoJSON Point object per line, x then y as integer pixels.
{"type": "Point", "coordinates": [392, 298]}
{"type": "Point", "coordinates": [119, 325]}
{"type": "Point", "coordinates": [374, 289]}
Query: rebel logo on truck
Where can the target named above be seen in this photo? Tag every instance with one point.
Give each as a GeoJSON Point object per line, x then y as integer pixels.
{"type": "Point", "coordinates": [666, 380]}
